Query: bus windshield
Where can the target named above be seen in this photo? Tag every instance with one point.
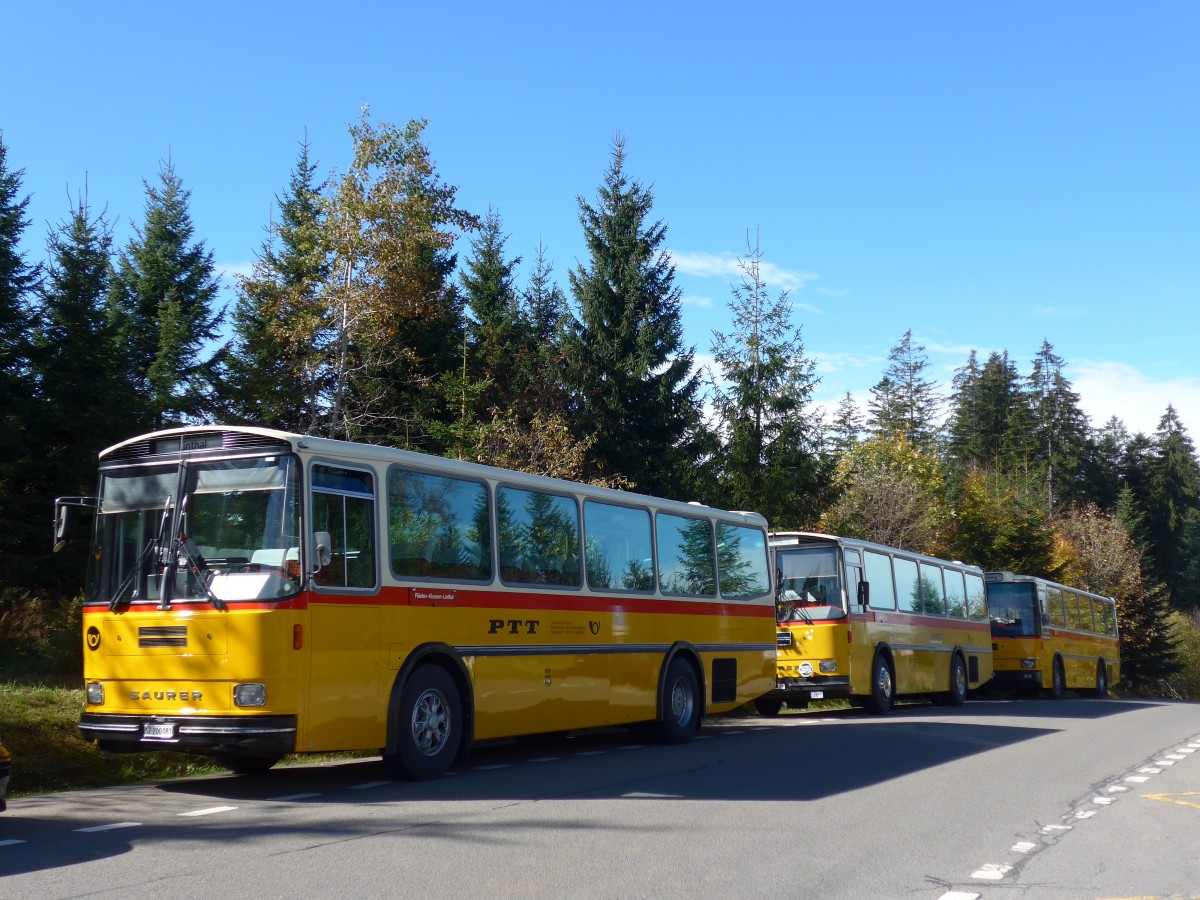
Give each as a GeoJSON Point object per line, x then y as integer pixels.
{"type": "Point", "coordinates": [807, 585]}
{"type": "Point", "coordinates": [209, 531]}
{"type": "Point", "coordinates": [1013, 611]}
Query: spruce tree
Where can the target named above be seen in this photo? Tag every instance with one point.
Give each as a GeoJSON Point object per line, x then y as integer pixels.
{"type": "Point", "coordinates": [162, 306]}
{"type": "Point", "coordinates": [1060, 428]}
{"type": "Point", "coordinates": [845, 431]}
{"type": "Point", "coordinates": [83, 400]}
{"type": "Point", "coordinates": [630, 373]}
{"type": "Point", "coordinates": [20, 506]}
{"type": "Point", "coordinates": [905, 402]}
{"type": "Point", "coordinates": [276, 372]}
{"type": "Point", "coordinates": [497, 330]}
{"type": "Point", "coordinates": [770, 457]}
{"type": "Point", "coordinates": [1173, 497]}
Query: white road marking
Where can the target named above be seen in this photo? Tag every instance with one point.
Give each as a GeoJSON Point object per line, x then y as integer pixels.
{"type": "Point", "coordinates": [547, 759]}
{"type": "Point", "coordinates": [493, 767]}
{"type": "Point", "coordinates": [369, 785]}
{"type": "Point", "coordinates": [1103, 801]}
{"type": "Point", "coordinates": [1052, 828]}
{"type": "Point", "coordinates": [1085, 814]}
{"type": "Point", "coordinates": [1137, 779]}
{"type": "Point", "coordinates": [991, 872]}
{"type": "Point", "coordinates": [1150, 770]}
{"type": "Point", "coordinates": [112, 827]}
{"type": "Point", "coordinates": [1186, 750]}
{"type": "Point", "coordinates": [1116, 788]}
{"type": "Point", "coordinates": [1164, 762]}
{"type": "Point", "coordinates": [9, 843]}
{"type": "Point", "coordinates": [632, 747]}
{"type": "Point", "coordinates": [591, 753]}
{"type": "Point", "coordinates": [641, 795]}
{"type": "Point", "coordinates": [1176, 756]}
{"type": "Point", "coordinates": [209, 811]}
{"type": "Point", "coordinates": [290, 797]}
{"type": "Point", "coordinates": [958, 895]}
{"type": "Point", "coordinates": [1022, 847]}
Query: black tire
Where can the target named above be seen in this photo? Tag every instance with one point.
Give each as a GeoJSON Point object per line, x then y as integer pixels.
{"type": "Point", "coordinates": [1101, 690]}
{"type": "Point", "coordinates": [958, 682]}
{"type": "Point", "coordinates": [767, 707]}
{"type": "Point", "coordinates": [680, 703]}
{"type": "Point", "coordinates": [1058, 681]}
{"type": "Point", "coordinates": [429, 726]}
{"type": "Point", "coordinates": [248, 764]}
{"type": "Point", "coordinates": [883, 686]}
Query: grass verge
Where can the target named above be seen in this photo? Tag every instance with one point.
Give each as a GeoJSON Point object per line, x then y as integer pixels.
{"type": "Point", "coordinates": [39, 725]}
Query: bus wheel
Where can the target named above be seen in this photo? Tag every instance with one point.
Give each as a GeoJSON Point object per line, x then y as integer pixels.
{"type": "Point", "coordinates": [429, 725]}
{"type": "Point", "coordinates": [680, 704]}
{"type": "Point", "coordinates": [767, 707]}
{"type": "Point", "coordinates": [958, 682]}
{"type": "Point", "coordinates": [883, 686]}
{"type": "Point", "coordinates": [1058, 682]}
{"type": "Point", "coordinates": [1101, 680]}
{"type": "Point", "coordinates": [248, 764]}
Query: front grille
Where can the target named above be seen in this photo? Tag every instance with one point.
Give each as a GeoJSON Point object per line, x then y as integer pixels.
{"type": "Point", "coordinates": [162, 636]}
{"type": "Point", "coordinates": [783, 638]}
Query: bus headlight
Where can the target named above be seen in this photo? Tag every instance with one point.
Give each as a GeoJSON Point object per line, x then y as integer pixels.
{"type": "Point", "coordinates": [828, 665]}
{"type": "Point", "coordinates": [95, 693]}
{"type": "Point", "coordinates": [1029, 664]}
{"type": "Point", "coordinates": [250, 695]}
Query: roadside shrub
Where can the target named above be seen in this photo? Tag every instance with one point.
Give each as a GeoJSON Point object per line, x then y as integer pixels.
{"type": "Point", "coordinates": [39, 636]}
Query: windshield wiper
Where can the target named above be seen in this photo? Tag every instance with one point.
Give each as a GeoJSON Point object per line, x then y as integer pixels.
{"type": "Point", "coordinates": [184, 546]}
{"type": "Point", "coordinates": [151, 550]}
{"type": "Point", "coordinates": [199, 569]}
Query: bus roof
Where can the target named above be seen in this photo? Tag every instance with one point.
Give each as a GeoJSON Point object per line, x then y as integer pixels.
{"type": "Point", "coordinates": [1014, 578]}
{"type": "Point", "coordinates": [128, 450]}
{"type": "Point", "coordinates": [780, 540]}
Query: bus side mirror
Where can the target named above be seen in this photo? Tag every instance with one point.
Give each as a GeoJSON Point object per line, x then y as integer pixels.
{"type": "Point", "coordinates": [864, 593]}
{"type": "Point", "coordinates": [61, 519]}
{"type": "Point", "coordinates": [323, 542]}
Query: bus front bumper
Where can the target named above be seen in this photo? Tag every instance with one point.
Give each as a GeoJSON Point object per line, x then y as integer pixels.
{"type": "Point", "coordinates": [1022, 678]}
{"type": "Point", "coordinates": [833, 687]}
{"type": "Point", "coordinates": [264, 735]}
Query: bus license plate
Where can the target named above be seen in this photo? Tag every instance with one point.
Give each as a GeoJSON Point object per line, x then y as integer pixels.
{"type": "Point", "coordinates": [817, 695]}
{"type": "Point", "coordinates": [162, 731]}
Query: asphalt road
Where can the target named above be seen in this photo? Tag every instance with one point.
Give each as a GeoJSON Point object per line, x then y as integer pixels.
{"type": "Point", "coordinates": [1074, 799]}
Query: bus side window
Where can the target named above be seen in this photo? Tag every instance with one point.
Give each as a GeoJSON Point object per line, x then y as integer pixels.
{"type": "Point", "coordinates": [879, 579]}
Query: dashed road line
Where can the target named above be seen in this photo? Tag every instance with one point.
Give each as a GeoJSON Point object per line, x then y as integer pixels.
{"type": "Point", "coordinates": [369, 785]}
{"type": "Point", "coordinates": [991, 872]}
{"type": "Point", "coordinates": [212, 810]}
{"type": "Point", "coordinates": [997, 871]}
{"type": "Point", "coordinates": [113, 827]}
{"type": "Point", "coordinates": [290, 797]}
{"type": "Point", "coordinates": [10, 842]}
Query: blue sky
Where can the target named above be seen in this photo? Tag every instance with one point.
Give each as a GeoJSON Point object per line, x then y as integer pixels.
{"type": "Point", "coordinates": [986, 175]}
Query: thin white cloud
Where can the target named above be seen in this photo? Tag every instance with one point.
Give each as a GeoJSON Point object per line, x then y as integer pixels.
{"type": "Point", "coordinates": [727, 267]}
{"type": "Point", "coordinates": [1108, 389]}
{"type": "Point", "coordinates": [695, 300]}
{"type": "Point", "coordinates": [828, 363]}
{"type": "Point", "coordinates": [230, 270]}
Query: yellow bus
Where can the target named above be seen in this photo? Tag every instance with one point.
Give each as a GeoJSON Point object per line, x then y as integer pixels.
{"type": "Point", "coordinates": [870, 623]}
{"type": "Point", "coordinates": [1052, 638]}
{"type": "Point", "coordinates": [254, 593]}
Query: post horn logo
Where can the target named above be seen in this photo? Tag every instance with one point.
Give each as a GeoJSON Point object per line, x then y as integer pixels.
{"type": "Point", "coordinates": [594, 627]}
{"type": "Point", "coordinates": [93, 638]}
